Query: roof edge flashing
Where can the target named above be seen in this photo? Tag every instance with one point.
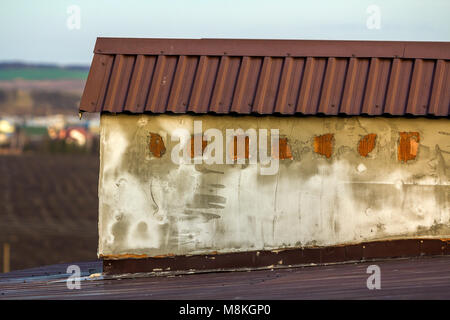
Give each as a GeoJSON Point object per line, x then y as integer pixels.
{"type": "Point", "coordinates": [274, 48]}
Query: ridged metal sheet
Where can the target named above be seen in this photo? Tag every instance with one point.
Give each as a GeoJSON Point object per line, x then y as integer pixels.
{"type": "Point", "coordinates": [316, 77]}
{"type": "Point", "coordinates": [406, 279]}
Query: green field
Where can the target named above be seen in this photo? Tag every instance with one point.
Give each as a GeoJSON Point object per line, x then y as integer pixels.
{"type": "Point", "coordinates": [41, 73]}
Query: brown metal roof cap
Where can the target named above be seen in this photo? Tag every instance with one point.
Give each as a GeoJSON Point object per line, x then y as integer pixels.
{"type": "Point", "coordinates": [268, 77]}
{"type": "Point", "coordinates": [274, 48]}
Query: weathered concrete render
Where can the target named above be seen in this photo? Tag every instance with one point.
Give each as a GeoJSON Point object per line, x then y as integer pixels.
{"type": "Point", "coordinates": [342, 182]}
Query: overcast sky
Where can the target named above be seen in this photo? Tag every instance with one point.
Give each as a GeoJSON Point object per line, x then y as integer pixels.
{"type": "Point", "coordinates": [47, 30]}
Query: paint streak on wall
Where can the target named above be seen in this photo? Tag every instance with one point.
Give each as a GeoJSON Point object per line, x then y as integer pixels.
{"type": "Point", "coordinates": [157, 147]}
{"type": "Point", "coordinates": [366, 144]}
{"type": "Point", "coordinates": [408, 146]}
{"type": "Point", "coordinates": [324, 144]}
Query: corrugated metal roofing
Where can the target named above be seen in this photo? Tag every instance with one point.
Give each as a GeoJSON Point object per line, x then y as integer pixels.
{"type": "Point", "coordinates": [269, 77]}
{"type": "Point", "coordinates": [418, 278]}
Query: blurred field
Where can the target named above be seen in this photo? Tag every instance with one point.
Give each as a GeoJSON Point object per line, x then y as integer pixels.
{"type": "Point", "coordinates": [39, 89]}
{"type": "Point", "coordinates": [11, 71]}
{"type": "Point", "coordinates": [48, 211]}
{"type": "Point", "coordinates": [48, 187]}
{"type": "Point", "coordinates": [41, 73]}
{"type": "Point", "coordinates": [67, 85]}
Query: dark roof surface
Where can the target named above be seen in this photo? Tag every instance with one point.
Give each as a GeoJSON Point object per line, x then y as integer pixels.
{"type": "Point", "coordinates": [284, 77]}
{"type": "Point", "coordinates": [49, 203]}
{"type": "Point", "coordinates": [414, 278]}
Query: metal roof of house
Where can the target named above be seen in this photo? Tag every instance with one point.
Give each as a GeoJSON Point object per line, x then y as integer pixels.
{"type": "Point", "coordinates": [284, 77]}
{"type": "Point", "coordinates": [412, 278]}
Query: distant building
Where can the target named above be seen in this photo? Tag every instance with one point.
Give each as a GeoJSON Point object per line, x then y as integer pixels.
{"type": "Point", "coordinates": [7, 129]}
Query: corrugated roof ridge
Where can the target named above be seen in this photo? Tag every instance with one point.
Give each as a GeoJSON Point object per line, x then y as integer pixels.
{"type": "Point", "coordinates": [278, 47]}
{"type": "Point", "coordinates": [350, 82]}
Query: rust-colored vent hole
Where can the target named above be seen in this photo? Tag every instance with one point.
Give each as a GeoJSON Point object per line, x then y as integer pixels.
{"type": "Point", "coordinates": [324, 144]}
{"type": "Point", "coordinates": [204, 144]}
{"type": "Point", "coordinates": [408, 146]}
{"type": "Point", "coordinates": [366, 144]}
{"type": "Point", "coordinates": [234, 151]}
{"type": "Point", "coordinates": [157, 147]}
{"type": "Point", "coordinates": [284, 150]}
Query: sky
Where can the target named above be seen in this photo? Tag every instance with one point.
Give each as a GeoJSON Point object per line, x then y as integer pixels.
{"type": "Point", "coordinates": [64, 31]}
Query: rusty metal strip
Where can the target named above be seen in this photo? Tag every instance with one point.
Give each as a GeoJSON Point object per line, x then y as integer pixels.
{"type": "Point", "coordinates": [263, 83]}
{"type": "Point", "coordinates": [140, 83]}
{"type": "Point", "coordinates": [136, 78]}
{"type": "Point", "coordinates": [282, 105]}
{"type": "Point", "coordinates": [120, 264]}
{"type": "Point", "coordinates": [305, 91]}
{"type": "Point", "coordinates": [161, 84]}
{"type": "Point", "coordinates": [203, 86]}
{"type": "Point", "coordinates": [151, 104]}
{"type": "Point", "coordinates": [241, 88]}
{"type": "Point", "coordinates": [399, 84]}
{"type": "Point", "coordinates": [359, 86]}
{"type": "Point", "coordinates": [280, 48]}
{"type": "Point", "coordinates": [174, 99]}
{"type": "Point", "coordinates": [369, 105]}
{"type": "Point", "coordinates": [182, 84]}
{"type": "Point", "coordinates": [440, 95]}
{"type": "Point", "coordinates": [97, 83]}
{"type": "Point", "coordinates": [97, 78]}
{"type": "Point", "coordinates": [217, 103]}
{"type": "Point", "coordinates": [392, 93]}
{"type": "Point", "coordinates": [194, 103]}
{"type": "Point", "coordinates": [325, 105]}
{"type": "Point", "coordinates": [119, 83]}
{"type": "Point", "coordinates": [413, 106]}
{"type": "Point", "coordinates": [349, 87]}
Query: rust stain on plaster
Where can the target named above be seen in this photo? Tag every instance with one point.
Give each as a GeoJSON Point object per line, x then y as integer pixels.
{"type": "Point", "coordinates": [204, 144]}
{"type": "Point", "coordinates": [142, 256]}
{"type": "Point", "coordinates": [157, 147]}
{"type": "Point", "coordinates": [408, 146]}
{"type": "Point", "coordinates": [284, 150]}
{"type": "Point", "coordinates": [164, 255]}
{"type": "Point", "coordinates": [366, 144]}
{"type": "Point", "coordinates": [324, 144]}
{"type": "Point", "coordinates": [133, 256]}
{"type": "Point", "coordinates": [123, 256]}
{"type": "Point", "coordinates": [234, 151]}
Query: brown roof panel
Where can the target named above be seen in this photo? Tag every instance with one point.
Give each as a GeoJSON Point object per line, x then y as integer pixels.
{"type": "Point", "coordinates": [140, 83]}
{"type": "Point", "coordinates": [269, 76]}
{"type": "Point", "coordinates": [275, 48]}
{"type": "Point", "coordinates": [411, 278]}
